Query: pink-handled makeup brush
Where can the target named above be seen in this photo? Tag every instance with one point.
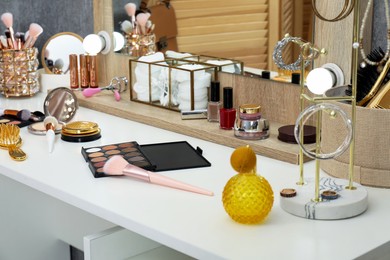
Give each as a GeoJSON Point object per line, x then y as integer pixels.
{"type": "Point", "coordinates": [142, 19]}
{"type": "Point", "coordinates": [130, 9]}
{"type": "Point", "coordinates": [116, 165]}
{"type": "Point", "coordinates": [8, 20]}
{"type": "Point", "coordinates": [33, 32]}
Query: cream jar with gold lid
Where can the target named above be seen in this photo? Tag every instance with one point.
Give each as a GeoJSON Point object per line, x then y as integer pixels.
{"type": "Point", "coordinates": [249, 124]}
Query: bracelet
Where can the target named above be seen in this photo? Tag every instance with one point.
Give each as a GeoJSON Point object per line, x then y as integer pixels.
{"type": "Point", "coordinates": [278, 58]}
{"type": "Point", "coordinates": [334, 111]}
{"type": "Point", "coordinates": [344, 13]}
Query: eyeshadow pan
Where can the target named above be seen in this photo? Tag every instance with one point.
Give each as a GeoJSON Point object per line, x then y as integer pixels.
{"type": "Point", "coordinates": [136, 159]}
{"type": "Point", "coordinates": [4, 120]}
{"type": "Point", "coordinates": [98, 154]}
{"type": "Point", "coordinates": [14, 122]}
{"type": "Point", "coordinates": [100, 170]}
{"type": "Point", "coordinates": [93, 150]}
{"type": "Point", "coordinates": [132, 154]}
{"type": "Point", "coordinates": [99, 159]}
{"type": "Point", "coordinates": [99, 164]}
{"type": "Point", "coordinates": [141, 163]}
{"type": "Point", "coordinates": [130, 149]}
{"type": "Point", "coordinates": [109, 147]}
{"type": "Point", "coordinates": [124, 145]}
{"type": "Point", "coordinates": [112, 152]}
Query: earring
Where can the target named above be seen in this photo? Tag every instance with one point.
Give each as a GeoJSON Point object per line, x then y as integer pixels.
{"type": "Point", "coordinates": [278, 58]}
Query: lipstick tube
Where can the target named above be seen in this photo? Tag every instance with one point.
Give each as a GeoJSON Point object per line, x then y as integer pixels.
{"type": "Point", "coordinates": [84, 72]}
{"type": "Point", "coordinates": [93, 73]}
{"type": "Point", "coordinates": [73, 71]}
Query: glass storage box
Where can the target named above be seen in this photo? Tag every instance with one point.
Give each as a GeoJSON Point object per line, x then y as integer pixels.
{"type": "Point", "coordinates": [18, 72]}
{"type": "Point", "coordinates": [224, 65]}
{"type": "Point", "coordinates": [177, 85]}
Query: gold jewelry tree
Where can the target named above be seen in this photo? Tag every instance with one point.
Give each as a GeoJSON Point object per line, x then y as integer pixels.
{"type": "Point", "coordinates": [342, 204]}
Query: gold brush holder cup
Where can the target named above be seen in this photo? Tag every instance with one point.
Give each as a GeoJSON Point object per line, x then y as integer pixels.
{"type": "Point", "coordinates": [18, 72]}
{"type": "Point", "coordinates": [138, 45]}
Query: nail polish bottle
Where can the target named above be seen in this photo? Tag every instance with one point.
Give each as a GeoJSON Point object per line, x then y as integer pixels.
{"type": "Point", "coordinates": [214, 105]}
{"type": "Point", "coordinates": [227, 114]}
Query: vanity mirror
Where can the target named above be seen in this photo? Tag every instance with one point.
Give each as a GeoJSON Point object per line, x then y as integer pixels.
{"type": "Point", "coordinates": [246, 31]}
{"type": "Point", "coordinates": [55, 52]}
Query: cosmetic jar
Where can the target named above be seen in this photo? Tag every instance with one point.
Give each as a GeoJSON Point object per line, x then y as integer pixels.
{"type": "Point", "coordinates": [249, 124]}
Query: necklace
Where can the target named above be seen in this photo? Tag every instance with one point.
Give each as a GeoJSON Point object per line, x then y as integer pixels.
{"type": "Point", "coordinates": [366, 60]}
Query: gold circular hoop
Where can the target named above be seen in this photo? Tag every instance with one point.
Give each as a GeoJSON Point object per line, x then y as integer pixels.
{"type": "Point", "coordinates": [347, 9]}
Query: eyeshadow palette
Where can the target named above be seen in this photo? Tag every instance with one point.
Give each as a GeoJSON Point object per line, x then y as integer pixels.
{"type": "Point", "coordinates": [152, 157]}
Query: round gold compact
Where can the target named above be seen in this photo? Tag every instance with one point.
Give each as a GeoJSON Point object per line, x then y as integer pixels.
{"type": "Point", "coordinates": [80, 131]}
{"type": "Point", "coordinates": [80, 128]}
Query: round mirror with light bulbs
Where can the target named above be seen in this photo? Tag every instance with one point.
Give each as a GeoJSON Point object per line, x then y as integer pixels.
{"type": "Point", "coordinates": [55, 52]}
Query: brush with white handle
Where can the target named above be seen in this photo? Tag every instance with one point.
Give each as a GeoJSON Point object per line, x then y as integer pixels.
{"type": "Point", "coordinates": [50, 124]}
{"type": "Point", "coordinates": [116, 165]}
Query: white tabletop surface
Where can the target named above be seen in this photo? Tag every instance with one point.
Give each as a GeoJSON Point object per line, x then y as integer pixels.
{"type": "Point", "coordinates": [194, 224]}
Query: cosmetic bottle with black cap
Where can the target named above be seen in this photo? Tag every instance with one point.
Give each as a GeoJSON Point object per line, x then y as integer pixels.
{"type": "Point", "coordinates": [227, 114]}
{"type": "Point", "coordinates": [214, 105]}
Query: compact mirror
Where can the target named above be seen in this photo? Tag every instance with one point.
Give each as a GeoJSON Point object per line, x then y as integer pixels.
{"type": "Point", "coordinates": [62, 104]}
{"type": "Point", "coordinates": [55, 52]}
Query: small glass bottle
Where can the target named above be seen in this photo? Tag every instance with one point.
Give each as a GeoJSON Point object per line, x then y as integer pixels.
{"type": "Point", "coordinates": [214, 105]}
{"type": "Point", "coordinates": [249, 124]}
{"type": "Point", "coordinates": [227, 114]}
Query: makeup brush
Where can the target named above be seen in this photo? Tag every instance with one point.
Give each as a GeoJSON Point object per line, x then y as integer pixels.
{"type": "Point", "coordinates": [117, 166]}
{"type": "Point", "coordinates": [130, 9]}
{"type": "Point", "coordinates": [10, 42]}
{"type": "Point", "coordinates": [142, 19]}
{"type": "Point", "coordinates": [126, 26]}
{"type": "Point", "coordinates": [369, 79]}
{"type": "Point", "coordinates": [33, 32]}
{"type": "Point", "coordinates": [50, 124]}
{"type": "Point", "coordinates": [8, 21]}
{"type": "Point", "coordinates": [3, 42]}
{"type": "Point", "coordinates": [23, 114]}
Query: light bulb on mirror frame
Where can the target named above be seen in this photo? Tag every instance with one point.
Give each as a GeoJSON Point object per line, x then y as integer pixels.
{"type": "Point", "coordinates": [321, 79]}
{"type": "Point", "coordinates": [119, 41]}
{"type": "Point", "coordinates": [97, 43]}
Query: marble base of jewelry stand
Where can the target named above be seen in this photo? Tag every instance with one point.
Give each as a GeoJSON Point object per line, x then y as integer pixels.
{"type": "Point", "coordinates": [350, 203]}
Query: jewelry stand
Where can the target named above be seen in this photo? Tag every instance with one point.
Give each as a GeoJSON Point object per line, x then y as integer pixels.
{"type": "Point", "coordinates": [350, 198]}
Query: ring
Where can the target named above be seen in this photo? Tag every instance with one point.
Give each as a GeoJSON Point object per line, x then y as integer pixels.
{"type": "Point", "coordinates": [329, 195]}
{"type": "Point", "coordinates": [334, 110]}
{"type": "Point", "coordinates": [278, 58]}
{"type": "Point", "coordinates": [288, 193]}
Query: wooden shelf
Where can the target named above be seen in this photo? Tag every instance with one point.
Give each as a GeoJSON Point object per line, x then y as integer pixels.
{"type": "Point", "coordinates": [171, 120]}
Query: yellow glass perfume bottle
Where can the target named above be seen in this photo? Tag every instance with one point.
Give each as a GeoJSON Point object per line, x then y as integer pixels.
{"type": "Point", "coordinates": [247, 197]}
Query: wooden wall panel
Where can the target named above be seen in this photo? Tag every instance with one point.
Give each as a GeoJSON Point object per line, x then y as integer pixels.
{"type": "Point", "coordinates": [224, 28]}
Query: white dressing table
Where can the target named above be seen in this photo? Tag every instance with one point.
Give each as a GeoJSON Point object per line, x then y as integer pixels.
{"type": "Point", "coordinates": [52, 200]}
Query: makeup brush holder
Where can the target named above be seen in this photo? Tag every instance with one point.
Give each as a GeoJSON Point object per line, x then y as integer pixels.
{"type": "Point", "coordinates": [18, 72]}
{"type": "Point", "coordinates": [177, 85]}
{"type": "Point", "coordinates": [138, 45]}
{"type": "Point", "coordinates": [372, 145]}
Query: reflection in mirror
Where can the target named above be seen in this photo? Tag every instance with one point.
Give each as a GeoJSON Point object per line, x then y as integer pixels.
{"type": "Point", "coordinates": [62, 104]}
{"type": "Point", "coordinates": [55, 52]}
{"type": "Point", "coordinates": [246, 31]}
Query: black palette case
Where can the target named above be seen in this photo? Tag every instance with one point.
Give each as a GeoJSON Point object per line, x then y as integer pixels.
{"type": "Point", "coordinates": [152, 157]}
